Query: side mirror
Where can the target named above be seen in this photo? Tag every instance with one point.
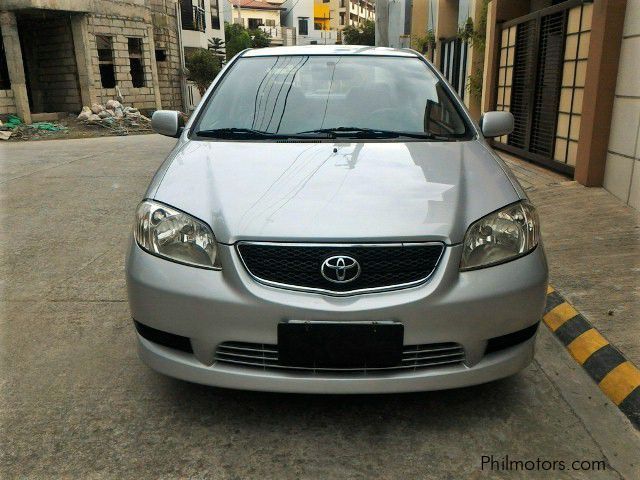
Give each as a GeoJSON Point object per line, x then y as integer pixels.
{"type": "Point", "coordinates": [496, 124]}
{"type": "Point", "coordinates": [167, 122]}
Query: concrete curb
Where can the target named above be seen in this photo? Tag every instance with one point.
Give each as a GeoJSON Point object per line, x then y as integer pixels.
{"type": "Point", "coordinates": [617, 377]}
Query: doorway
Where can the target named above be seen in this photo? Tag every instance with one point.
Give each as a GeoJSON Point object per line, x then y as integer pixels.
{"type": "Point", "coordinates": [49, 61]}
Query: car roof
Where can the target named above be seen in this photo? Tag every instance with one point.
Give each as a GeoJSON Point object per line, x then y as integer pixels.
{"type": "Point", "coordinates": [329, 50]}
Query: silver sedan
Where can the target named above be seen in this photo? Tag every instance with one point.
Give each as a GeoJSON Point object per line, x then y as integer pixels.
{"type": "Point", "coordinates": [332, 221]}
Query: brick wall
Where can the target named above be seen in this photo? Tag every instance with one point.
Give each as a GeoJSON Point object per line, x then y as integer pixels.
{"type": "Point", "coordinates": [49, 56]}
{"type": "Point", "coordinates": [119, 29]}
{"type": "Point", "coordinates": [165, 38]}
{"type": "Point", "coordinates": [7, 105]}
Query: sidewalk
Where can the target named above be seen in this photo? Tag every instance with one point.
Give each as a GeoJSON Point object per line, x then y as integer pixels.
{"type": "Point", "coordinates": [592, 242]}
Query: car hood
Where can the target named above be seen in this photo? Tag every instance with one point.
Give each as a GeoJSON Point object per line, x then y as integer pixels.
{"type": "Point", "coordinates": [335, 192]}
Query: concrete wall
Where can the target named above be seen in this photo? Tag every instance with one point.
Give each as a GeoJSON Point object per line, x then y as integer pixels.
{"type": "Point", "coordinates": [622, 169]}
{"type": "Point", "coordinates": [165, 33]}
{"type": "Point", "coordinates": [107, 7]}
{"type": "Point", "coordinates": [419, 17]}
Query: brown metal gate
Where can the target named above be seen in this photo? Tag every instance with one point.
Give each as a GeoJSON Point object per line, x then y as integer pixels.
{"type": "Point", "coordinates": [530, 82]}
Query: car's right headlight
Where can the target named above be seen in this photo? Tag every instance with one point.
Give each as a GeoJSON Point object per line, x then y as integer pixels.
{"type": "Point", "coordinates": [507, 234]}
{"type": "Point", "coordinates": [169, 233]}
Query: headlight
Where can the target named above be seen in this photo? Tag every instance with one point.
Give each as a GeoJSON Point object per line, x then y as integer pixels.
{"type": "Point", "coordinates": [501, 236]}
{"type": "Point", "coordinates": [171, 234]}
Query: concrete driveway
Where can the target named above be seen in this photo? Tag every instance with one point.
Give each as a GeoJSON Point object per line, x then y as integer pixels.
{"type": "Point", "coordinates": [77, 403]}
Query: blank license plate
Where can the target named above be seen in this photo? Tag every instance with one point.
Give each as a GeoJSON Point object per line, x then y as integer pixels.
{"type": "Point", "coordinates": [340, 345]}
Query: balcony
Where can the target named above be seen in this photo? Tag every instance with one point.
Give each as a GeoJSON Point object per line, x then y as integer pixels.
{"type": "Point", "coordinates": [193, 16]}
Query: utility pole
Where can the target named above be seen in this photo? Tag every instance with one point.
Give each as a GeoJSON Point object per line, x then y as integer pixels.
{"type": "Point", "coordinates": [390, 22]}
{"type": "Point", "coordinates": [239, 12]}
{"type": "Point", "coordinates": [382, 23]}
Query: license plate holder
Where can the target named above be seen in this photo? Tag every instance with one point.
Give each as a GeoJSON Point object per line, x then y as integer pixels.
{"type": "Point", "coordinates": [340, 344]}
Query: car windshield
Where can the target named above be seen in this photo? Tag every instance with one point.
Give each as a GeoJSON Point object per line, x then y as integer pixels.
{"type": "Point", "coordinates": [353, 96]}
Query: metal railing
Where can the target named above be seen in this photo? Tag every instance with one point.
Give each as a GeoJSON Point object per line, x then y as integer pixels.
{"type": "Point", "coordinates": [193, 96]}
{"type": "Point", "coordinates": [274, 32]}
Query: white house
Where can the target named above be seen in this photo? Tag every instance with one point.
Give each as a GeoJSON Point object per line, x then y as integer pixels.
{"type": "Point", "coordinates": [300, 14]}
{"type": "Point", "coordinates": [266, 16]}
{"type": "Point", "coordinates": [201, 21]}
{"type": "Point", "coordinates": [256, 13]}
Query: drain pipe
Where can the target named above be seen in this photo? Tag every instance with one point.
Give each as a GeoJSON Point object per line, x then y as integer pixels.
{"type": "Point", "coordinates": [183, 66]}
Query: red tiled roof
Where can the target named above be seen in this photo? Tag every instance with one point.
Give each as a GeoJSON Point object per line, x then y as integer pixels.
{"type": "Point", "coordinates": [257, 4]}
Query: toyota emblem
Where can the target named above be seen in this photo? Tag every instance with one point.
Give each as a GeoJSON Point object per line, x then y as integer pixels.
{"type": "Point", "coordinates": [340, 269]}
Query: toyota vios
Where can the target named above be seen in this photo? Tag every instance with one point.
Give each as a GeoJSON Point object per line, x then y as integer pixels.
{"type": "Point", "coordinates": [331, 220]}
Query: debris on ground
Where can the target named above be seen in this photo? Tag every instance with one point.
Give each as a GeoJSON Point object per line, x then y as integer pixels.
{"type": "Point", "coordinates": [98, 120]}
{"type": "Point", "coordinates": [14, 128]}
{"type": "Point", "coordinates": [12, 122]}
{"type": "Point", "coordinates": [115, 116]}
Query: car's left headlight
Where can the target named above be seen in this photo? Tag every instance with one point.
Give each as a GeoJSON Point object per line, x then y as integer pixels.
{"type": "Point", "coordinates": [169, 233]}
{"type": "Point", "coordinates": [501, 236]}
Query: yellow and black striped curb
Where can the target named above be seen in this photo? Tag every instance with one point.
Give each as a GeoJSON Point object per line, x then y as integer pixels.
{"type": "Point", "coordinates": [616, 376]}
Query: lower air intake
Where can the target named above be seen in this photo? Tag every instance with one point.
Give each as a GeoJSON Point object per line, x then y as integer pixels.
{"type": "Point", "coordinates": [265, 357]}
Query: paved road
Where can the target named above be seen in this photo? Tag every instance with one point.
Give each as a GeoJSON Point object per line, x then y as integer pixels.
{"type": "Point", "coordinates": [76, 401]}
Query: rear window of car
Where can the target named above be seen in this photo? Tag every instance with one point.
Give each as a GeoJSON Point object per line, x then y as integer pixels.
{"type": "Point", "coordinates": [302, 93]}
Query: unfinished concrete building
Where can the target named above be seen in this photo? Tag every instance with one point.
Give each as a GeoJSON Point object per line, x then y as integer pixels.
{"type": "Point", "coordinates": [58, 55]}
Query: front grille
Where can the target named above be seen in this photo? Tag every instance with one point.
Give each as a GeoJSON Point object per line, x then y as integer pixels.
{"type": "Point", "coordinates": [299, 265]}
{"type": "Point", "coordinates": [265, 357]}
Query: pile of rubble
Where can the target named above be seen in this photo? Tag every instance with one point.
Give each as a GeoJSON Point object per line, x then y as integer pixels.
{"type": "Point", "coordinates": [113, 113]}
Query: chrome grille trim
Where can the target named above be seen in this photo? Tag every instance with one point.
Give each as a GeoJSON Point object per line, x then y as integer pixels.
{"type": "Point", "coordinates": [229, 346]}
{"type": "Point", "coordinates": [265, 357]}
{"type": "Point", "coordinates": [385, 288]}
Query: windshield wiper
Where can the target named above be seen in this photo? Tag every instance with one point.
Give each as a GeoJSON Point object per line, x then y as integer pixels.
{"type": "Point", "coordinates": [360, 132]}
{"type": "Point", "coordinates": [234, 133]}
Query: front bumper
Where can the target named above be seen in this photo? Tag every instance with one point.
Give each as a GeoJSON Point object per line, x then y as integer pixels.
{"type": "Point", "coordinates": [211, 307]}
